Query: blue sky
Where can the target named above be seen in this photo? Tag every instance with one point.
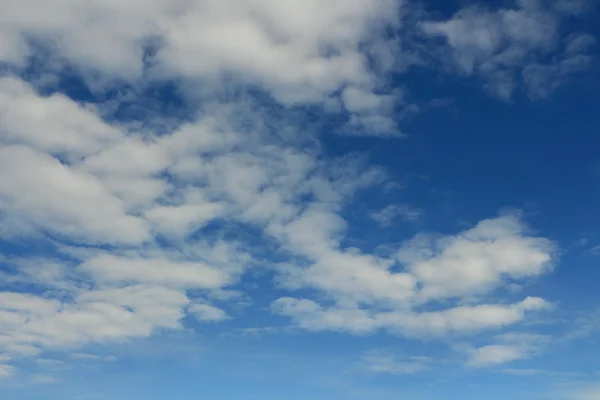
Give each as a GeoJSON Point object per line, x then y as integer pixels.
{"type": "Point", "coordinates": [353, 199]}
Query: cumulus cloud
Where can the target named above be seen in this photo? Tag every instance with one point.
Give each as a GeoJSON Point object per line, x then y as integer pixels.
{"type": "Point", "coordinates": [33, 323]}
{"type": "Point", "coordinates": [459, 320]}
{"type": "Point", "coordinates": [302, 52]}
{"type": "Point", "coordinates": [474, 262]}
{"type": "Point", "coordinates": [478, 260]}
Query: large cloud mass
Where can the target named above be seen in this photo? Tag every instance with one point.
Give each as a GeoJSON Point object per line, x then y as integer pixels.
{"type": "Point", "coordinates": [130, 228]}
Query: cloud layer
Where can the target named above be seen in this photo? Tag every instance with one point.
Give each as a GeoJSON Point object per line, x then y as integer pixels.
{"type": "Point", "coordinates": [128, 229]}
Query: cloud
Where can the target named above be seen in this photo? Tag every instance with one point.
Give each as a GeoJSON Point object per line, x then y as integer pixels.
{"type": "Point", "coordinates": [585, 392]}
{"type": "Point", "coordinates": [130, 229]}
{"type": "Point", "coordinates": [382, 362]}
{"type": "Point", "coordinates": [508, 347]}
{"type": "Point", "coordinates": [543, 79]}
{"type": "Point", "coordinates": [6, 370]}
{"type": "Point", "coordinates": [33, 323]}
{"type": "Point", "coordinates": [113, 269]}
{"type": "Point", "coordinates": [304, 52]}
{"type": "Point", "coordinates": [361, 286]}
{"type": "Point", "coordinates": [498, 45]}
{"type": "Point", "coordinates": [478, 260]}
{"type": "Point", "coordinates": [54, 124]}
{"type": "Point", "coordinates": [527, 372]}
{"type": "Point", "coordinates": [386, 216]}
{"type": "Point", "coordinates": [459, 320]}
{"type": "Point", "coordinates": [51, 364]}
{"type": "Point", "coordinates": [207, 312]}
{"type": "Point", "coordinates": [92, 357]}
{"type": "Point", "coordinates": [34, 189]}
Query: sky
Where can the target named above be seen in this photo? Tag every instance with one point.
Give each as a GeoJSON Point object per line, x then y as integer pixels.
{"type": "Point", "coordinates": [299, 199]}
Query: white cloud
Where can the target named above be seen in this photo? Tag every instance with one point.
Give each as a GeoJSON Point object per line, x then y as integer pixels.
{"type": "Point", "coordinates": [46, 362]}
{"type": "Point", "coordinates": [301, 52]}
{"type": "Point", "coordinates": [6, 371]}
{"type": "Point", "coordinates": [459, 320]}
{"type": "Point", "coordinates": [115, 270]}
{"type": "Point", "coordinates": [498, 46]}
{"type": "Point", "coordinates": [54, 124]}
{"type": "Point", "coordinates": [589, 391]}
{"type": "Point", "coordinates": [478, 260]}
{"type": "Point", "coordinates": [34, 323]}
{"type": "Point", "coordinates": [363, 286]}
{"type": "Point", "coordinates": [122, 207]}
{"type": "Point", "coordinates": [207, 312]}
{"type": "Point", "coordinates": [13, 48]}
{"type": "Point", "coordinates": [495, 354]}
{"type": "Point", "coordinates": [508, 347]}
{"type": "Point", "coordinates": [35, 188]}
{"type": "Point", "coordinates": [386, 216]}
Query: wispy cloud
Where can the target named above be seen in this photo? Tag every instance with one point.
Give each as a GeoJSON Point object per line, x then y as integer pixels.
{"type": "Point", "coordinates": [507, 348]}
{"type": "Point", "coordinates": [505, 47]}
{"type": "Point", "coordinates": [92, 357]}
{"type": "Point", "coordinates": [386, 216]}
{"type": "Point", "coordinates": [389, 363]}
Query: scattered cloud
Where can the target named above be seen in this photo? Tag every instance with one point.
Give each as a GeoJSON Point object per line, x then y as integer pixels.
{"type": "Point", "coordinates": [459, 320]}
{"type": "Point", "coordinates": [207, 312]}
{"type": "Point", "coordinates": [386, 216]}
{"type": "Point", "coordinates": [42, 379]}
{"type": "Point", "coordinates": [129, 229]}
{"type": "Point", "coordinates": [585, 392]}
{"type": "Point", "coordinates": [529, 372]}
{"type": "Point", "coordinates": [507, 348]}
{"type": "Point", "coordinates": [6, 370]}
{"type": "Point", "coordinates": [51, 364]}
{"type": "Point", "coordinates": [92, 357]}
{"type": "Point", "coordinates": [595, 250]}
{"type": "Point", "coordinates": [506, 46]}
{"type": "Point", "coordinates": [386, 363]}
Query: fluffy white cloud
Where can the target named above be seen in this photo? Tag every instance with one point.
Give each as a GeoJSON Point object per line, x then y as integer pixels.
{"type": "Point", "coordinates": [113, 269]}
{"type": "Point", "coordinates": [39, 189]}
{"type": "Point", "coordinates": [31, 323]}
{"type": "Point", "coordinates": [207, 312]}
{"type": "Point", "coordinates": [303, 51]}
{"type": "Point", "coordinates": [363, 286]}
{"type": "Point", "coordinates": [478, 260]}
{"type": "Point", "coordinates": [459, 320]}
{"type": "Point", "coordinates": [54, 124]}
{"type": "Point", "coordinates": [123, 207]}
